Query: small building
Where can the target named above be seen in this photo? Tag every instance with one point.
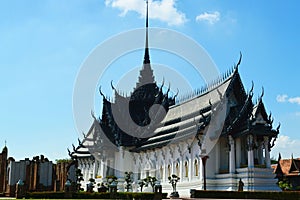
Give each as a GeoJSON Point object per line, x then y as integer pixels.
{"type": "Point", "coordinates": [38, 174]}
{"type": "Point", "coordinates": [288, 170]}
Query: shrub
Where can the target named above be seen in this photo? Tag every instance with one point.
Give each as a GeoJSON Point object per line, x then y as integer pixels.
{"type": "Point", "coordinates": [95, 195]}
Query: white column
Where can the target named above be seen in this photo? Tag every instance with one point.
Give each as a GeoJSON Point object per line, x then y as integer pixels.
{"type": "Point", "coordinates": [105, 167]}
{"type": "Point", "coordinates": [250, 151]}
{"type": "Point", "coordinates": [190, 168]}
{"type": "Point", "coordinates": [260, 153]}
{"type": "Point", "coordinates": [181, 169]}
{"type": "Point", "coordinates": [267, 152]}
{"type": "Point", "coordinates": [173, 168]}
{"type": "Point", "coordinates": [231, 155]}
{"type": "Point", "coordinates": [95, 170]}
{"type": "Point", "coordinates": [102, 169]}
{"type": "Point", "coordinates": [238, 152]}
{"type": "Point", "coordinates": [201, 169]}
{"type": "Point", "coordinates": [217, 157]}
{"type": "Point", "coordinates": [164, 172]}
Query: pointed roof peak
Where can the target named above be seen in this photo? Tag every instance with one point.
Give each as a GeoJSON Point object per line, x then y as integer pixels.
{"type": "Point", "coordinates": [146, 56]}
{"type": "Point", "coordinates": [146, 73]}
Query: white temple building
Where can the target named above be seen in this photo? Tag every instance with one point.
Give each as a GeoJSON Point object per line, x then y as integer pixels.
{"type": "Point", "coordinates": [220, 124]}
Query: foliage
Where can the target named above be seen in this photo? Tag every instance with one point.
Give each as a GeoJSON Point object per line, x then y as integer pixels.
{"type": "Point", "coordinates": [96, 195]}
{"type": "Point", "coordinates": [92, 180]}
{"type": "Point", "coordinates": [45, 195]}
{"type": "Point", "coordinates": [285, 185]}
{"type": "Point", "coordinates": [65, 160]}
{"type": "Point", "coordinates": [79, 178]}
{"type": "Point", "coordinates": [245, 194]}
{"type": "Point", "coordinates": [111, 179]}
{"type": "Point", "coordinates": [274, 160]}
{"type": "Point", "coordinates": [173, 181]}
{"type": "Point", "coordinates": [142, 183]}
{"type": "Point", "coordinates": [91, 185]}
{"type": "Point", "coordinates": [128, 180]}
{"type": "Point", "coordinates": [150, 180]}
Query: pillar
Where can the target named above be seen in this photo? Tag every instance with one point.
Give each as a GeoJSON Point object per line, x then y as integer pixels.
{"type": "Point", "coordinates": [201, 169]}
{"type": "Point", "coordinates": [203, 163]}
{"type": "Point", "coordinates": [181, 169]}
{"type": "Point", "coordinates": [238, 152]}
{"type": "Point", "coordinates": [267, 152]}
{"type": "Point", "coordinates": [95, 170]}
{"type": "Point", "coordinates": [260, 153]}
{"type": "Point", "coordinates": [190, 164]}
{"type": "Point", "coordinates": [102, 166]}
{"type": "Point", "coordinates": [231, 155]}
{"type": "Point", "coordinates": [173, 168]}
{"type": "Point", "coordinates": [163, 178]}
{"type": "Point", "coordinates": [250, 151]}
{"type": "Point", "coordinates": [217, 149]}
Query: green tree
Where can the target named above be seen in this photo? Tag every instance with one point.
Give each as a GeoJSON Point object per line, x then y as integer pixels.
{"type": "Point", "coordinates": [142, 184]}
{"type": "Point", "coordinates": [150, 180]}
{"type": "Point", "coordinates": [173, 181]}
{"type": "Point", "coordinates": [79, 178]}
{"type": "Point", "coordinates": [128, 180]}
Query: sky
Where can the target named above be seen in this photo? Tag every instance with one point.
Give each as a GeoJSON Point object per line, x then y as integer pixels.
{"type": "Point", "coordinates": [44, 43]}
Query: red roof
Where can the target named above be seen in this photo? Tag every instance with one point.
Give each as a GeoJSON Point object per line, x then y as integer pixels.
{"type": "Point", "coordinates": [288, 167]}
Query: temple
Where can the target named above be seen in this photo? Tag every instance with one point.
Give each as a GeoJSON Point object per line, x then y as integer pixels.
{"type": "Point", "coordinates": [212, 139]}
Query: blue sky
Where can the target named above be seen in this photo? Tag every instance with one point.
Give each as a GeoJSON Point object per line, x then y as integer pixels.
{"type": "Point", "coordinates": [43, 44]}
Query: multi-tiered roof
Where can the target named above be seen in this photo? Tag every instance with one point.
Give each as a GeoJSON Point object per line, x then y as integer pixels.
{"type": "Point", "coordinates": [170, 122]}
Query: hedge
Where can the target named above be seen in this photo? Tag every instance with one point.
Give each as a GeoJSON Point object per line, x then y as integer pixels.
{"type": "Point", "coordinates": [245, 195]}
{"type": "Point", "coordinates": [95, 195]}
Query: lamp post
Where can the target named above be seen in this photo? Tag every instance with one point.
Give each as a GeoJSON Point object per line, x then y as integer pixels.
{"type": "Point", "coordinates": [204, 158]}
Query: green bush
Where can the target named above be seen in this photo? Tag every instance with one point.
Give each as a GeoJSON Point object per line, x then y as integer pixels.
{"type": "Point", "coordinates": [45, 195]}
{"type": "Point", "coordinates": [245, 195]}
{"type": "Point", "coordinates": [94, 195]}
{"type": "Point", "coordinates": [87, 195]}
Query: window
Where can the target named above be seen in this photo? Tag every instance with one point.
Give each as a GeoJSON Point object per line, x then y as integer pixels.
{"type": "Point", "coordinates": [169, 170]}
{"type": "Point", "coordinates": [161, 172]}
{"type": "Point", "coordinates": [196, 167]}
{"type": "Point", "coordinates": [186, 169]}
{"type": "Point", "coordinates": [177, 169]}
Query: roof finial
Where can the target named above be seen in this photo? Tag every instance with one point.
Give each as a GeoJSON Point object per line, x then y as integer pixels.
{"type": "Point", "coordinates": [146, 56]}
{"type": "Point", "coordinates": [5, 143]}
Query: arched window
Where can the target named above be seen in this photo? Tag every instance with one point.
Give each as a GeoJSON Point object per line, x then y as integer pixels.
{"type": "Point", "coordinates": [186, 169]}
{"type": "Point", "coordinates": [196, 167]}
{"type": "Point", "coordinates": [177, 169]}
{"type": "Point", "coordinates": [161, 172]}
{"type": "Point", "coordinates": [169, 170]}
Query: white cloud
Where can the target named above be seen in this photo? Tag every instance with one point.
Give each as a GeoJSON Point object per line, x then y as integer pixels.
{"type": "Point", "coordinates": [281, 98]}
{"type": "Point", "coordinates": [210, 18]}
{"type": "Point", "coordinates": [295, 100]}
{"type": "Point", "coordinates": [163, 10]}
{"type": "Point", "coordinates": [286, 146]}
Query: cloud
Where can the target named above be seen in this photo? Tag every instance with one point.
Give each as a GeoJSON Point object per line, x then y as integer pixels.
{"type": "Point", "coordinates": [295, 100]}
{"type": "Point", "coordinates": [284, 98]}
{"type": "Point", "coordinates": [210, 18]}
{"type": "Point", "coordinates": [163, 10]}
{"type": "Point", "coordinates": [286, 146]}
{"type": "Point", "coordinates": [281, 98]}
